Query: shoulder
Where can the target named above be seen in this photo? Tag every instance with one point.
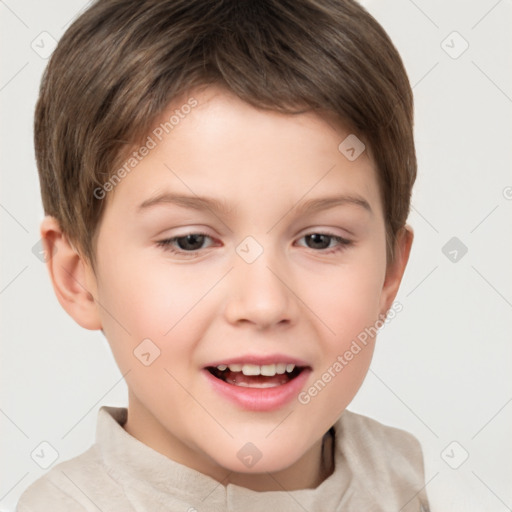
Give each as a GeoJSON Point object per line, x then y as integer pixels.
{"type": "Point", "coordinates": [379, 438]}
{"type": "Point", "coordinates": [388, 461]}
{"type": "Point", "coordinates": [64, 487]}
{"type": "Point", "coordinates": [85, 482]}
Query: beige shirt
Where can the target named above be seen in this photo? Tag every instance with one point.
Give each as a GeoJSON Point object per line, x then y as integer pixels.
{"type": "Point", "coordinates": [377, 468]}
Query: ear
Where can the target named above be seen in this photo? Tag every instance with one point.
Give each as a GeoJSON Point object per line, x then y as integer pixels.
{"type": "Point", "coordinates": [72, 277]}
{"type": "Point", "coordinates": [395, 270]}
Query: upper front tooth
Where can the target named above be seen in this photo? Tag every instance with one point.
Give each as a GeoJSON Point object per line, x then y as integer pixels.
{"type": "Point", "coordinates": [280, 368]}
{"type": "Point", "coordinates": [250, 369]}
{"type": "Point", "coordinates": [269, 370]}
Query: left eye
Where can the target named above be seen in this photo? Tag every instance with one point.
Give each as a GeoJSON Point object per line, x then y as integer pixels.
{"type": "Point", "coordinates": [323, 241]}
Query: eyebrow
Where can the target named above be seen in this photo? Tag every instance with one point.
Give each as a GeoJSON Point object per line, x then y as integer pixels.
{"type": "Point", "coordinates": [193, 202]}
{"type": "Point", "coordinates": [221, 207]}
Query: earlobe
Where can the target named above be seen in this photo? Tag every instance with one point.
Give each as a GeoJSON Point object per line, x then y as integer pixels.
{"type": "Point", "coordinates": [72, 278]}
{"type": "Point", "coordinates": [395, 270]}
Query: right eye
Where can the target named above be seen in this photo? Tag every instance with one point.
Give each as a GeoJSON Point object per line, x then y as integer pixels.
{"type": "Point", "coordinates": [189, 243]}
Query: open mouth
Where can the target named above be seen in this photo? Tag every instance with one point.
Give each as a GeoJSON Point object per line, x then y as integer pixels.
{"type": "Point", "coordinates": [256, 376]}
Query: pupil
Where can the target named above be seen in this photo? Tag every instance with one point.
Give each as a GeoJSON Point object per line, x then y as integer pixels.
{"type": "Point", "coordinates": [190, 239]}
{"type": "Point", "coordinates": [318, 238]}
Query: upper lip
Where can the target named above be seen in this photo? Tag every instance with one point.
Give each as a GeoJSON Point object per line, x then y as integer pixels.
{"type": "Point", "coordinates": [259, 360]}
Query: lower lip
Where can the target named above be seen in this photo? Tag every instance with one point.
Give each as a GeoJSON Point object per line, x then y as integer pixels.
{"type": "Point", "coordinates": [259, 399]}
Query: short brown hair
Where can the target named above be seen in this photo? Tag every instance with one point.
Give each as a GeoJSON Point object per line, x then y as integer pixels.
{"type": "Point", "coordinates": [121, 62]}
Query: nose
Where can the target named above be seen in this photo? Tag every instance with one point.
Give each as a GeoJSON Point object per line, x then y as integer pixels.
{"type": "Point", "coordinates": [260, 294]}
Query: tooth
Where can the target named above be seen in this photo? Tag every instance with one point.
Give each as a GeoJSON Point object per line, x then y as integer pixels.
{"type": "Point", "coordinates": [235, 367]}
{"type": "Point", "coordinates": [290, 368]}
{"type": "Point", "coordinates": [259, 385]}
{"type": "Point", "coordinates": [280, 368]}
{"type": "Point", "coordinates": [221, 367]}
{"type": "Point", "coordinates": [269, 370]}
{"type": "Point", "coordinates": [250, 369]}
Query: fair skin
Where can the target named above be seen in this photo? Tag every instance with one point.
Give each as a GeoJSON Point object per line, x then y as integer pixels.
{"type": "Point", "coordinates": [303, 299]}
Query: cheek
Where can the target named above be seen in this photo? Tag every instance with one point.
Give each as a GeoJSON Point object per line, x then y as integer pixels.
{"type": "Point", "coordinates": [350, 309]}
{"type": "Point", "coordinates": [144, 299]}
{"type": "Point", "coordinates": [351, 306]}
{"type": "Point", "coordinates": [348, 299]}
{"type": "Point", "coordinates": [132, 289]}
{"type": "Point", "coordinates": [348, 305]}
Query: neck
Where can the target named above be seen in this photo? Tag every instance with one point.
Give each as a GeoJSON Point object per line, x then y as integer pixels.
{"type": "Point", "coordinates": [307, 473]}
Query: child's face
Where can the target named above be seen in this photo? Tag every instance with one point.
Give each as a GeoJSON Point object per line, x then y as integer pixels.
{"type": "Point", "coordinates": [257, 288]}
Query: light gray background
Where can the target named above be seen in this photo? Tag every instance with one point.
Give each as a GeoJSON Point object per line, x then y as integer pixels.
{"type": "Point", "coordinates": [442, 368]}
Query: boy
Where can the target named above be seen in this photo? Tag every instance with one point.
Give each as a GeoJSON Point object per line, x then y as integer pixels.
{"type": "Point", "coordinates": [279, 135]}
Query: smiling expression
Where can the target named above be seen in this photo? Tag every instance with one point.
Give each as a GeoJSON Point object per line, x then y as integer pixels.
{"type": "Point", "coordinates": [244, 243]}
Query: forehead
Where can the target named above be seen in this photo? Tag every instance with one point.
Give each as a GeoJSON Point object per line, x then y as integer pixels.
{"type": "Point", "coordinates": [211, 143]}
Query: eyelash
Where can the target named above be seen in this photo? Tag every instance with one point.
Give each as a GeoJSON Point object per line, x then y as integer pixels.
{"type": "Point", "coordinates": [168, 247]}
